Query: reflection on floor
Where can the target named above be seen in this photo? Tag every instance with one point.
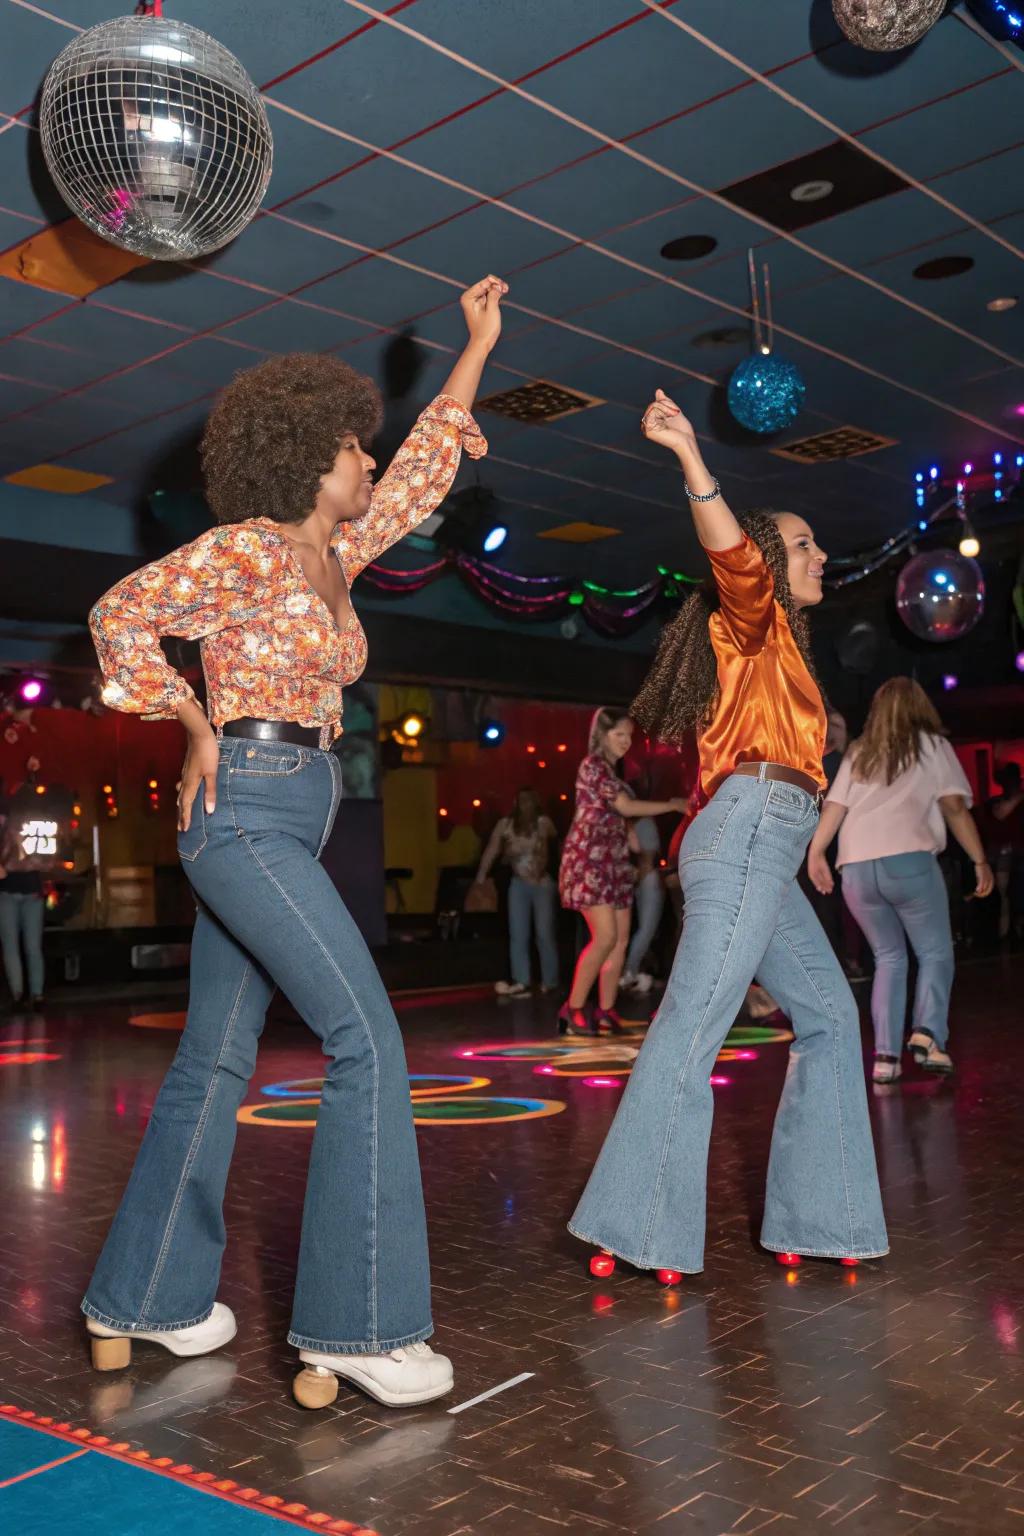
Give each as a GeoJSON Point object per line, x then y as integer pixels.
{"type": "Point", "coordinates": [886, 1399]}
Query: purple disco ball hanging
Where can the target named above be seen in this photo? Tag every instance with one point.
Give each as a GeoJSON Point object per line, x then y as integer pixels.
{"type": "Point", "coordinates": [156, 137]}
{"type": "Point", "coordinates": [940, 595]}
{"type": "Point", "coordinates": [886, 25]}
{"type": "Point", "coordinates": [765, 392]}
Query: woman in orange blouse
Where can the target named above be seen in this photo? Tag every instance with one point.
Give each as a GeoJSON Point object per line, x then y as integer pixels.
{"type": "Point", "coordinates": [267, 593]}
{"type": "Point", "coordinates": [735, 665]}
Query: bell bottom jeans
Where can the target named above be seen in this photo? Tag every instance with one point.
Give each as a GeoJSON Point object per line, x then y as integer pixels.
{"type": "Point", "coordinates": [270, 916]}
{"type": "Point", "coordinates": [745, 916]}
{"type": "Point", "coordinates": [894, 899]}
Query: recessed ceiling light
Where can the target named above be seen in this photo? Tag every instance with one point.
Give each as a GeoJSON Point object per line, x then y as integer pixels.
{"type": "Point", "coordinates": [943, 266]}
{"type": "Point", "coordinates": [997, 306]}
{"type": "Point", "coordinates": [689, 248]}
{"type": "Point", "coordinates": [812, 191]}
{"type": "Point", "coordinates": [723, 336]}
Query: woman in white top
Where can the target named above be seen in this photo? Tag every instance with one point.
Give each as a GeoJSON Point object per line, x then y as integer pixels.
{"type": "Point", "coordinates": [898, 789]}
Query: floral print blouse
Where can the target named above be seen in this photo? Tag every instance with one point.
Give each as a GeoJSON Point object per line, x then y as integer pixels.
{"type": "Point", "coordinates": [271, 647]}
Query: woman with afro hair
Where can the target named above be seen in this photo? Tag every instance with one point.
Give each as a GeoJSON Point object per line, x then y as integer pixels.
{"type": "Point", "coordinates": [267, 594]}
{"type": "Point", "coordinates": [735, 666]}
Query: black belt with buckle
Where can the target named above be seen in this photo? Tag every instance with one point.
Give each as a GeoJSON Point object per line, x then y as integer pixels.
{"type": "Point", "coordinates": [274, 730]}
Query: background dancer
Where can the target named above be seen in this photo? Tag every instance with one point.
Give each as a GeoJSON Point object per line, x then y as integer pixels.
{"type": "Point", "coordinates": [524, 842]}
{"type": "Point", "coordinates": [267, 592]}
{"type": "Point", "coordinates": [735, 664]}
{"type": "Point", "coordinates": [898, 789]}
{"type": "Point", "coordinates": [596, 876]}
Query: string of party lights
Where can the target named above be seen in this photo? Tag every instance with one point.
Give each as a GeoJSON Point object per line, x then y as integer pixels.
{"type": "Point", "coordinates": [616, 612]}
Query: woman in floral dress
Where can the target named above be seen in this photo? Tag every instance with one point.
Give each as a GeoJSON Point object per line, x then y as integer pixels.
{"type": "Point", "coordinates": [596, 876]}
{"type": "Point", "coordinates": [267, 594]}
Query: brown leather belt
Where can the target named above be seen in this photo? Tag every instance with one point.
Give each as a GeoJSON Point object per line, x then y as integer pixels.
{"type": "Point", "coordinates": [783, 774]}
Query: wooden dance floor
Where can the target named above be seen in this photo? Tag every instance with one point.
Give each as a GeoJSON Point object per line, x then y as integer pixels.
{"type": "Point", "coordinates": [885, 1400]}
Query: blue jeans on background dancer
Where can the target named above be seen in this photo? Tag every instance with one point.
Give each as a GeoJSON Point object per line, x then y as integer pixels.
{"type": "Point", "coordinates": [745, 916]}
{"type": "Point", "coordinates": [532, 903]}
{"type": "Point", "coordinates": [269, 915]}
{"type": "Point", "coordinates": [21, 927]}
{"type": "Point", "coordinates": [894, 899]}
{"type": "Point", "coordinates": [649, 903]}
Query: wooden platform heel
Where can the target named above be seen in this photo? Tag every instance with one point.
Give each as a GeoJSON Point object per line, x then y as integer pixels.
{"type": "Point", "coordinates": [314, 1387]}
{"type": "Point", "coordinates": [111, 1354]}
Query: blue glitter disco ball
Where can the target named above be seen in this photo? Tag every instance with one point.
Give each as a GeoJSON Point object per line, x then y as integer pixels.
{"type": "Point", "coordinates": [766, 393]}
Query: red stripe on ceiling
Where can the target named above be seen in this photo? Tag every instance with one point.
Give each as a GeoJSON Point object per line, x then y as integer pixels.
{"type": "Point", "coordinates": [933, 101]}
{"type": "Point", "coordinates": [315, 58]}
{"type": "Point", "coordinates": [471, 106]}
{"type": "Point", "coordinates": [537, 70]}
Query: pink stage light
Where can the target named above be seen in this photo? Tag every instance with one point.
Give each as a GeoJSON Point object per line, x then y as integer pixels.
{"type": "Point", "coordinates": [602, 1082]}
{"type": "Point", "coordinates": [31, 690]}
{"type": "Point", "coordinates": [718, 1081]}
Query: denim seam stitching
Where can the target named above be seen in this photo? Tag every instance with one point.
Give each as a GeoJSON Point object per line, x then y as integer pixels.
{"type": "Point", "coordinates": [337, 785]}
{"type": "Point", "coordinates": [712, 851]}
{"type": "Point", "coordinates": [193, 1150]}
{"type": "Point", "coordinates": [376, 1072]}
{"type": "Point", "coordinates": [358, 1347]}
{"type": "Point", "coordinates": [133, 1329]}
{"type": "Point", "coordinates": [835, 1074]}
{"type": "Point", "coordinates": [696, 1035]}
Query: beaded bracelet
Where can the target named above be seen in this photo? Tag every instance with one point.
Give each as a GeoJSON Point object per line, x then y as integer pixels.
{"type": "Point", "coordinates": [708, 496]}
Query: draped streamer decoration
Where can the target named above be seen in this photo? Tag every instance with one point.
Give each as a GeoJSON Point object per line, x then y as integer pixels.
{"type": "Point", "coordinates": [609, 612]}
{"type": "Point", "coordinates": [617, 612]}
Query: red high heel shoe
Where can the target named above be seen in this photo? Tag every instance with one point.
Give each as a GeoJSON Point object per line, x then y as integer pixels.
{"type": "Point", "coordinates": [574, 1021]}
{"type": "Point", "coordinates": [607, 1022]}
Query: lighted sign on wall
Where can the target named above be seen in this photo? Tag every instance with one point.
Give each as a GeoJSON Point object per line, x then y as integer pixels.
{"type": "Point", "coordinates": [38, 837]}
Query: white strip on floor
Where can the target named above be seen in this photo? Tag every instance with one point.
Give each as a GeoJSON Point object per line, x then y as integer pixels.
{"type": "Point", "coordinates": [482, 1398]}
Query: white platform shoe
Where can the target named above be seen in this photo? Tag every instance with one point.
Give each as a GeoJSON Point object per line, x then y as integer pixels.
{"type": "Point", "coordinates": [112, 1349]}
{"type": "Point", "coordinates": [400, 1379]}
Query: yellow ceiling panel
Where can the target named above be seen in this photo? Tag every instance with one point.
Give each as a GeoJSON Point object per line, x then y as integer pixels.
{"type": "Point", "coordinates": [54, 477]}
{"type": "Point", "coordinates": [580, 533]}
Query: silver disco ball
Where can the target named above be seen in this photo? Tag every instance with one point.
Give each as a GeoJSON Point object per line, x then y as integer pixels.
{"type": "Point", "coordinates": [886, 25]}
{"type": "Point", "coordinates": [156, 137]}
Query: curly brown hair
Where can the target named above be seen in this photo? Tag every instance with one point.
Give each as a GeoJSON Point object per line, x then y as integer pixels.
{"type": "Point", "coordinates": [275, 431]}
{"type": "Point", "coordinates": [680, 693]}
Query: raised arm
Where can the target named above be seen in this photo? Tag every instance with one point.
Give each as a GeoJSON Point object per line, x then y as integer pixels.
{"type": "Point", "coordinates": [745, 587]}
{"type": "Point", "coordinates": [664, 423]}
{"type": "Point", "coordinates": [423, 470]}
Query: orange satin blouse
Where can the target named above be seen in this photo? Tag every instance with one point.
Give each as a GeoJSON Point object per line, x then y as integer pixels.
{"type": "Point", "coordinates": [770, 709]}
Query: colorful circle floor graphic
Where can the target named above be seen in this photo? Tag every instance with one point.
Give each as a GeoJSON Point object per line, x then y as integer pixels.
{"type": "Point", "coordinates": [444, 1098]}
{"type": "Point", "coordinates": [293, 1114]}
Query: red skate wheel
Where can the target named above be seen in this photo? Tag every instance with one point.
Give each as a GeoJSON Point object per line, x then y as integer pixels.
{"type": "Point", "coordinates": [602, 1265]}
{"type": "Point", "coordinates": [789, 1260]}
{"type": "Point", "coordinates": [669, 1277]}
{"type": "Point", "coordinates": [849, 1263]}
